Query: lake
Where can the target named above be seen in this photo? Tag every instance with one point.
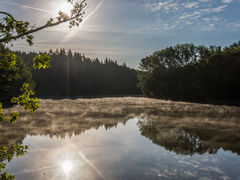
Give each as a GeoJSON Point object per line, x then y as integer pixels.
{"type": "Point", "coordinates": [126, 138]}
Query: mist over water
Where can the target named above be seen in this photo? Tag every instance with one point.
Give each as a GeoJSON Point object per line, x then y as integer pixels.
{"type": "Point", "coordinates": [126, 138]}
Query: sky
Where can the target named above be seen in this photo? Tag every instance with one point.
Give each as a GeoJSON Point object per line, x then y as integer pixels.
{"type": "Point", "coordinates": [129, 30]}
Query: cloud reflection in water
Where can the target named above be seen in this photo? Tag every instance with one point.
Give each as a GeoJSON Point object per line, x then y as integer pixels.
{"type": "Point", "coordinates": [165, 139]}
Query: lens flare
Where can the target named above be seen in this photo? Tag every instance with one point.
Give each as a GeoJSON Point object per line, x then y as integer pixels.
{"type": "Point", "coordinates": [67, 167]}
{"type": "Point", "coordinates": [64, 7]}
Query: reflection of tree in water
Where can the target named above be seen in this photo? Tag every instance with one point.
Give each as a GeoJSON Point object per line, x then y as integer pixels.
{"type": "Point", "coordinates": [12, 135]}
{"type": "Point", "coordinates": [189, 144]}
{"type": "Point", "coordinates": [180, 127]}
{"type": "Point", "coordinates": [189, 139]}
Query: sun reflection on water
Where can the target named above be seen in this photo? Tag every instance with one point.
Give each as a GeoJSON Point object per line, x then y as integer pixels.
{"type": "Point", "coordinates": [67, 167]}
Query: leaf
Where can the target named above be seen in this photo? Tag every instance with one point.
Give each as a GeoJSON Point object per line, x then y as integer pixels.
{"type": "Point", "coordinates": [41, 61]}
{"type": "Point", "coordinates": [25, 100]}
{"type": "Point", "coordinates": [13, 117]}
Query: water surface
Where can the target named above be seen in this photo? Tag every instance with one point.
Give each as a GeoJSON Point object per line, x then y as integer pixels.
{"type": "Point", "coordinates": [142, 143]}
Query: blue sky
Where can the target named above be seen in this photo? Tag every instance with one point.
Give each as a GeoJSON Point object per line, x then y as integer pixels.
{"type": "Point", "coordinates": [128, 30]}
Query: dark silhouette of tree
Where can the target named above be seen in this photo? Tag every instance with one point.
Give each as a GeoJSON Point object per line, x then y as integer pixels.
{"type": "Point", "coordinates": [192, 73]}
{"type": "Point", "coordinates": [76, 75]}
{"type": "Point", "coordinates": [11, 80]}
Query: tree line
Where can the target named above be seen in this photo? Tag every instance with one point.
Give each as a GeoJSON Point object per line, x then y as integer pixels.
{"type": "Point", "coordinates": [182, 72]}
{"type": "Point", "coordinates": [73, 74]}
{"type": "Point", "coordinates": [192, 73]}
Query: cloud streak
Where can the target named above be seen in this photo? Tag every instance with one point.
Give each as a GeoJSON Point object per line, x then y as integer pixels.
{"type": "Point", "coordinates": [227, 1]}
{"type": "Point", "coordinates": [74, 32]}
{"type": "Point", "coordinates": [214, 10]}
{"type": "Point", "coordinates": [28, 7]}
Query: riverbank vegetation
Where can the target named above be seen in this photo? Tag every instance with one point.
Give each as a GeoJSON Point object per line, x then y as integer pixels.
{"type": "Point", "coordinates": [183, 72]}
{"type": "Point", "coordinates": [192, 73]}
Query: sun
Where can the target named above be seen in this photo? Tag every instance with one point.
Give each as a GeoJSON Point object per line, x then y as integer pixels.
{"type": "Point", "coordinates": [64, 7]}
{"type": "Point", "coordinates": [67, 167]}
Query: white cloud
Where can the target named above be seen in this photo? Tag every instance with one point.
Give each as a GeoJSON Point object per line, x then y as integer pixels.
{"type": "Point", "coordinates": [191, 5]}
{"type": "Point", "coordinates": [159, 5]}
{"type": "Point", "coordinates": [234, 24]}
{"type": "Point", "coordinates": [197, 15]}
{"type": "Point", "coordinates": [211, 19]}
{"type": "Point", "coordinates": [212, 26]}
{"type": "Point", "coordinates": [186, 16]}
{"type": "Point", "coordinates": [227, 1]}
{"type": "Point", "coordinates": [28, 7]}
{"type": "Point", "coordinates": [170, 26]}
{"type": "Point", "coordinates": [167, 5]}
{"type": "Point", "coordinates": [213, 10]}
{"type": "Point", "coordinates": [189, 22]}
{"type": "Point", "coordinates": [194, 15]}
{"type": "Point", "coordinates": [204, 27]}
{"type": "Point", "coordinates": [173, 5]}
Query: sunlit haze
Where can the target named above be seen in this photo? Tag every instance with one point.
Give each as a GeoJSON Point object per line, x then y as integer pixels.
{"type": "Point", "coordinates": [63, 6]}
{"type": "Point", "coordinates": [67, 167]}
{"type": "Point", "coordinates": [119, 89]}
{"type": "Point", "coordinates": [129, 30]}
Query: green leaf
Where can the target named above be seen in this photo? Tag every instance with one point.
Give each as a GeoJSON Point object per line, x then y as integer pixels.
{"type": "Point", "coordinates": [25, 100]}
{"type": "Point", "coordinates": [8, 61]}
{"type": "Point", "coordinates": [13, 117]}
{"type": "Point", "coordinates": [41, 61]}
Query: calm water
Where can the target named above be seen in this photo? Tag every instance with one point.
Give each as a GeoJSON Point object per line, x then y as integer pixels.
{"type": "Point", "coordinates": [140, 149]}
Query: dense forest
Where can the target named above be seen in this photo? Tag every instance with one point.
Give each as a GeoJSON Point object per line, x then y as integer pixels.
{"type": "Point", "coordinates": [70, 75]}
{"type": "Point", "coordinates": [192, 73]}
{"type": "Point", "coordinates": [182, 72]}
{"type": "Point", "coordinates": [73, 74]}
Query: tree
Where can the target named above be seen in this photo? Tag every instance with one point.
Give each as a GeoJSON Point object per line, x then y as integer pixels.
{"type": "Point", "coordinates": [192, 73]}
{"type": "Point", "coordinates": [12, 79]}
{"type": "Point", "coordinates": [11, 30]}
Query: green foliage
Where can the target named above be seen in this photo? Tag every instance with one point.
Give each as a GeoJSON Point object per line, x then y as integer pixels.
{"type": "Point", "coordinates": [25, 99]}
{"type": "Point", "coordinates": [8, 154]}
{"type": "Point", "coordinates": [12, 117]}
{"type": "Point", "coordinates": [41, 61]}
{"type": "Point", "coordinates": [9, 27]}
{"type": "Point", "coordinates": [12, 29]}
{"type": "Point", "coordinates": [2, 116]}
{"type": "Point", "coordinates": [6, 176]}
{"type": "Point", "coordinates": [13, 71]}
{"type": "Point", "coordinates": [12, 75]}
{"type": "Point", "coordinates": [7, 61]}
{"type": "Point", "coordinates": [194, 73]}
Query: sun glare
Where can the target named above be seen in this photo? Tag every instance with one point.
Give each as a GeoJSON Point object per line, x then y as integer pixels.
{"type": "Point", "coordinates": [64, 7]}
{"type": "Point", "coordinates": [67, 167]}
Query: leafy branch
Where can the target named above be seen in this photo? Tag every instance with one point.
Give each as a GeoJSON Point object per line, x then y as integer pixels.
{"type": "Point", "coordinates": [12, 29]}
{"type": "Point", "coordinates": [8, 154]}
